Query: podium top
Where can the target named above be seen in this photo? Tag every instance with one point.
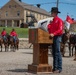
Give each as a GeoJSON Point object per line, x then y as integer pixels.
{"type": "Point", "coordinates": [37, 35]}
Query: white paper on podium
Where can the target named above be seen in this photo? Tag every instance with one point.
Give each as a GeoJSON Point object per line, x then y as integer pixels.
{"type": "Point", "coordinates": [44, 23]}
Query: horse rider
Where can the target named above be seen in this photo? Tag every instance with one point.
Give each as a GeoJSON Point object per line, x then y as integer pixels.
{"type": "Point", "coordinates": [3, 34]}
{"type": "Point", "coordinates": [14, 35]}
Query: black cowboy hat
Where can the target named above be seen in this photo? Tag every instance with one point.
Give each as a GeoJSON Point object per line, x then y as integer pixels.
{"type": "Point", "coordinates": [13, 29]}
{"type": "Point", "coordinates": [3, 28]}
{"type": "Point", "coordinates": [55, 9]}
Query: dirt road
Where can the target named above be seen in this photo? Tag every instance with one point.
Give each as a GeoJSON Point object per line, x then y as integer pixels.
{"type": "Point", "coordinates": [16, 63]}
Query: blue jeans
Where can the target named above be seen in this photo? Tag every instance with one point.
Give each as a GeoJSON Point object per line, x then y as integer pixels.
{"type": "Point", "coordinates": [15, 38]}
{"type": "Point", "coordinates": [5, 38]}
{"type": "Point", "coordinates": [57, 58]}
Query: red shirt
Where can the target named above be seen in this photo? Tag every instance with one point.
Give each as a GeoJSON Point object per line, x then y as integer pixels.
{"type": "Point", "coordinates": [3, 33]}
{"type": "Point", "coordinates": [56, 26]}
{"type": "Point", "coordinates": [13, 33]}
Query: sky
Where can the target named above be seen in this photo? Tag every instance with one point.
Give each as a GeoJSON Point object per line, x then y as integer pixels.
{"type": "Point", "coordinates": [64, 6]}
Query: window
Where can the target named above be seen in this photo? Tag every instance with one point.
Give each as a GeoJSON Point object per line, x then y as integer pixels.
{"type": "Point", "coordinates": [15, 6]}
{"type": "Point", "coordinates": [26, 15]}
{"type": "Point", "coordinates": [18, 13]}
{"type": "Point", "coordinates": [9, 6]}
{"type": "Point", "coordinates": [6, 13]}
{"type": "Point", "coordinates": [0, 13]}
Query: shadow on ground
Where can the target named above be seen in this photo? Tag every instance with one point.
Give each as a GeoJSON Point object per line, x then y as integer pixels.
{"type": "Point", "coordinates": [18, 70]}
{"type": "Point", "coordinates": [27, 53]}
{"type": "Point", "coordinates": [22, 71]}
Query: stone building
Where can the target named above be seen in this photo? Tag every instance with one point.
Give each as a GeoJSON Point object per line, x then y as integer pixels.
{"type": "Point", "coordinates": [14, 13]}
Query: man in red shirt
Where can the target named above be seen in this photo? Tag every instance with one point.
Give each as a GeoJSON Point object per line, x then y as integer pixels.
{"type": "Point", "coordinates": [14, 35]}
{"type": "Point", "coordinates": [3, 34]}
{"type": "Point", "coordinates": [55, 29]}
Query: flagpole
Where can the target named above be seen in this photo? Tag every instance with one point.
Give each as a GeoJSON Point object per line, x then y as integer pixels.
{"type": "Point", "coordinates": [57, 3]}
{"type": "Point", "coordinates": [67, 13]}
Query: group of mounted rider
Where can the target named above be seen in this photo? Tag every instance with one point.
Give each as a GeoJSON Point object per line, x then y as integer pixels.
{"type": "Point", "coordinates": [9, 39]}
{"type": "Point", "coordinates": [12, 34]}
{"type": "Point", "coordinates": [69, 37]}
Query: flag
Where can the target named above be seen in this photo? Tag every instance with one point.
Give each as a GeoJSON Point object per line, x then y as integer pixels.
{"type": "Point", "coordinates": [43, 24]}
{"type": "Point", "coordinates": [69, 19]}
{"type": "Point", "coordinates": [68, 22]}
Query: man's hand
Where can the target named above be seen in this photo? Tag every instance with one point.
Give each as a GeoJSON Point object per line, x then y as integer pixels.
{"type": "Point", "coordinates": [52, 35]}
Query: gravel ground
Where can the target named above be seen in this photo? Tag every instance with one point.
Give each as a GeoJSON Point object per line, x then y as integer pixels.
{"type": "Point", "coordinates": [16, 63]}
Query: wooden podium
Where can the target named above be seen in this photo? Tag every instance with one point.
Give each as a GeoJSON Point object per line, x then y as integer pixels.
{"type": "Point", "coordinates": [40, 40]}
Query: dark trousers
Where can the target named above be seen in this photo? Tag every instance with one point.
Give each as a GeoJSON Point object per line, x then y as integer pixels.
{"type": "Point", "coordinates": [57, 58]}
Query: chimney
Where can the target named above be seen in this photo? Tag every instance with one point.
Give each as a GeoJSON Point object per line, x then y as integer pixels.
{"type": "Point", "coordinates": [20, 0]}
{"type": "Point", "coordinates": [38, 5]}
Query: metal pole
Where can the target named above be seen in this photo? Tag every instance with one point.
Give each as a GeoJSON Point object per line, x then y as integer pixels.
{"type": "Point", "coordinates": [57, 3]}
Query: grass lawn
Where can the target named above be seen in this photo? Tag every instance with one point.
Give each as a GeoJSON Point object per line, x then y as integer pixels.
{"type": "Point", "coordinates": [22, 32]}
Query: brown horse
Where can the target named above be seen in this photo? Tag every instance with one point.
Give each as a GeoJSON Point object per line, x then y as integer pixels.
{"type": "Point", "coordinates": [72, 43]}
{"type": "Point", "coordinates": [70, 39]}
{"type": "Point", "coordinates": [14, 45]}
{"type": "Point", "coordinates": [1, 42]}
{"type": "Point", "coordinates": [5, 42]}
{"type": "Point", "coordinates": [65, 39]}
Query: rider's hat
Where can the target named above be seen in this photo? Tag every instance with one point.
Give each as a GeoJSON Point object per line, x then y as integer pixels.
{"type": "Point", "coordinates": [3, 28]}
{"type": "Point", "coordinates": [13, 29]}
